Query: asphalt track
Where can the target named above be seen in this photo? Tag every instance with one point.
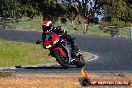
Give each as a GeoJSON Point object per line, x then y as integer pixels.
{"type": "Point", "coordinates": [115, 54]}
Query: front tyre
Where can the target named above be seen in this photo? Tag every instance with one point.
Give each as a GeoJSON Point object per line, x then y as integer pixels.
{"type": "Point", "coordinates": [63, 61]}
{"type": "Point", "coordinates": [80, 63]}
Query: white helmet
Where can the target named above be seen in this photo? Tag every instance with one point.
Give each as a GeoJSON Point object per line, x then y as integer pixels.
{"type": "Point", "coordinates": [46, 25]}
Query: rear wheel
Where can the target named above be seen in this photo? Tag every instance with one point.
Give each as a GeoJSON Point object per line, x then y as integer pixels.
{"type": "Point", "coordinates": [80, 63]}
{"type": "Point", "coordinates": [62, 60]}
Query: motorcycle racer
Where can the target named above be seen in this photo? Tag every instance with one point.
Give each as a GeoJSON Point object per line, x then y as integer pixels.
{"type": "Point", "coordinates": [48, 28]}
{"type": "Point", "coordinates": [60, 45]}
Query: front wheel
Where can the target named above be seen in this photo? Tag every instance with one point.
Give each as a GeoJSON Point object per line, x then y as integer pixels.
{"type": "Point", "coordinates": [63, 61]}
{"type": "Point", "coordinates": [80, 63]}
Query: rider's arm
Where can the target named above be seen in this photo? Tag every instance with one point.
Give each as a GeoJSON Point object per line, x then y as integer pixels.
{"type": "Point", "coordinates": [43, 36]}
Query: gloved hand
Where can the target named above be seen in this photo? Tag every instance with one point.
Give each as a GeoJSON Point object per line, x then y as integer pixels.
{"type": "Point", "coordinates": [38, 42]}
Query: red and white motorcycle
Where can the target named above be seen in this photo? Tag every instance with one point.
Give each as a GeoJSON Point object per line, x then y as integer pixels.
{"type": "Point", "coordinates": [61, 49]}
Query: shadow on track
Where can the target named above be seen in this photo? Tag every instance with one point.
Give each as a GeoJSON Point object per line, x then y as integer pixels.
{"type": "Point", "coordinates": [44, 67]}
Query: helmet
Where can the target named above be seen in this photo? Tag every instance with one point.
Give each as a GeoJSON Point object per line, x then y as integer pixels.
{"type": "Point", "coordinates": [46, 25]}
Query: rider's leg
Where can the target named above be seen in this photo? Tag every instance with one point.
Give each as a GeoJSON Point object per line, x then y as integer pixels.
{"type": "Point", "coordinates": [71, 41]}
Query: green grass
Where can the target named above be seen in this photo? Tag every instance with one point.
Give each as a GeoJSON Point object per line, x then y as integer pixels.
{"type": "Point", "coordinates": [125, 32]}
{"type": "Point", "coordinates": [94, 30]}
{"type": "Point", "coordinates": [19, 53]}
{"type": "Point", "coordinates": [29, 25]}
{"type": "Point", "coordinates": [35, 24]}
{"type": "Point", "coordinates": [6, 74]}
{"type": "Point", "coordinates": [68, 26]}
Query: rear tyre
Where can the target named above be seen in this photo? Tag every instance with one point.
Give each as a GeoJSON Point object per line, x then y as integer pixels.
{"type": "Point", "coordinates": [63, 61]}
{"type": "Point", "coordinates": [80, 63]}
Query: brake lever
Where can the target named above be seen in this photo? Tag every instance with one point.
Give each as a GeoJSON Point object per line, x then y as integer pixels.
{"type": "Point", "coordinates": [38, 42]}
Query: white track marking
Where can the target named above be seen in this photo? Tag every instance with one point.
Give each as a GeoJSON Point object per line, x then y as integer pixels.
{"type": "Point", "coordinates": [94, 57]}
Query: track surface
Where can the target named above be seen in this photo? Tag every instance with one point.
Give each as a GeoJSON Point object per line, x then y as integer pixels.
{"type": "Point", "coordinates": [115, 54]}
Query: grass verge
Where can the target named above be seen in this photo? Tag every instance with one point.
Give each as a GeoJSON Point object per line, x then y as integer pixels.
{"type": "Point", "coordinates": [6, 74]}
{"type": "Point", "coordinates": [29, 24]}
{"type": "Point", "coordinates": [95, 30]}
{"type": "Point", "coordinates": [35, 24]}
{"type": "Point", "coordinates": [20, 53]}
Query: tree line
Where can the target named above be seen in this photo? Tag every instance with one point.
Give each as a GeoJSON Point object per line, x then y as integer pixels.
{"type": "Point", "coordinates": [119, 11]}
{"type": "Point", "coordinates": [30, 8]}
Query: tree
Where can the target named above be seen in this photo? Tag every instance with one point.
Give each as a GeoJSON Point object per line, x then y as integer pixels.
{"type": "Point", "coordinates": [19, 8]}
{"type": "Point", "coordinates": [84, 11]}
{"type": "Point", "coordinates": [9, 8]}
{"type": "Point", "coordinates": [119, 10]}
{"type": "Point", "coordinates": [47, 8]}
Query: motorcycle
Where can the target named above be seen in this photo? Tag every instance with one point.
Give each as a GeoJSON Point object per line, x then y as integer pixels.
{"type": "Point", "coordinates": [61, 49]}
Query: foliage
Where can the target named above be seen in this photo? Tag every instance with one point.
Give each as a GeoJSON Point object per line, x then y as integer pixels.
{"type": "Point", "coordinates": [9, 8]}
{"type": "Point", "coordinates": [30, 8]}
{"type": "Point", "coordinates": [84, 11]}
{"type": "Point", "coordinates": [12, 10]}
{"type": "Point", "coordinates": [88, 9]}
{"type": "Point", "coordinates": [120, 12]}
{"type": "Point", "coordinates": [52, 9]}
